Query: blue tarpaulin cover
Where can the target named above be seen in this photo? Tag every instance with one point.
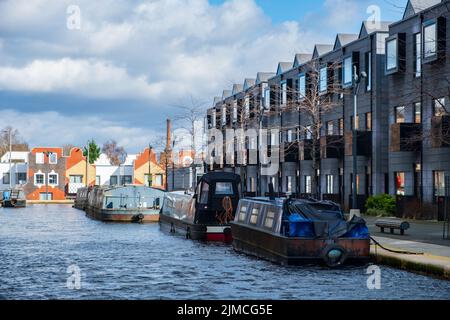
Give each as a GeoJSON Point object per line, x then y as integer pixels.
{"type": "Point", "coordinates": [300, 227]}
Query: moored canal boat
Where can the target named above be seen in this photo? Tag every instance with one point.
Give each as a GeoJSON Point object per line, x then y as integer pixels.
{"type": "Point", "coordinates": [81, 199]}
{"type": "Point", "coordinates": [293, 232]}
{"type": "Point", "coordinates": [13, 198]}
{"type": "Point", "coordinates": [205, 215]}
{"type": "Point", "coordinates": [124, 204]}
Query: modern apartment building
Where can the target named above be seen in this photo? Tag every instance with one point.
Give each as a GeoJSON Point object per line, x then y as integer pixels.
{"type": "Point", "coordinates": [402, 123]}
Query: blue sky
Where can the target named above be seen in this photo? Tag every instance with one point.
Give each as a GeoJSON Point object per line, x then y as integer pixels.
{"type": "Point", "coordinates": [130, 64]}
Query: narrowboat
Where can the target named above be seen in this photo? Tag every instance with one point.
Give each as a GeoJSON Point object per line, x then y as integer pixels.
{"type": "Point", "coordinates": [206, 215]}
{"type": "Point", "coordinates": [14, 198]}
{"type": "Point", "coordinates": [81, 199]}
{"type": "Point", "coordinates": [124, 204]}
{"type": "Point", "coordinates": [299, 231]}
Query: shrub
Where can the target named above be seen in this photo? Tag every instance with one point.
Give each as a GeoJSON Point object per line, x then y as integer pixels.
{"type": "Point", "coordinates": [381, 205]}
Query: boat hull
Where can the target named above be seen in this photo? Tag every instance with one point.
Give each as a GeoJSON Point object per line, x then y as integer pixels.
{"type": "Point", "coordinates": [14, 203]}
{"type": "Point", "coordinates": [128, 216]}
{"type": "Point", "coordinates": [295, 251]}
{"type": "Point", "coordinates": [198, 232]}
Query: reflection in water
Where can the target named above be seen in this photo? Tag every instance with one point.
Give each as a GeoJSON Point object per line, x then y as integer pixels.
{"type": "Point", "coordinates": [131, 261]}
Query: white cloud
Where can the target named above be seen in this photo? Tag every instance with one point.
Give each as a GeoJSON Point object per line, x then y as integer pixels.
{"type": "Point", "coordinates": [90, 78]}
{"type": "Point", "coordinates": [158, 50]}
{"type": "Point", "coordinates": [60, 130]}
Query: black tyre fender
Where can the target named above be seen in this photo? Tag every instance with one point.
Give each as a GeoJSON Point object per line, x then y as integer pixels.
{"type": "Point", "coordinates": [188, 233]}
{"type": "Point", "coordinates": [172, 228]}
{"type": "Point", "coordinates": [329, 261]}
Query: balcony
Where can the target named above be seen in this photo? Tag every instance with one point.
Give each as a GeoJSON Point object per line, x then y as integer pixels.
{"type": "Point", "coordinates": [406, 137]}
{"type": "Point", "coordinates": [364, 143]}
{"type": "Point", "coordinates": [290, 152]}
{"type": "Point", "coordinates": [440, 132]}
{"type": "Point", "coordinates": [306, 150]}
{"type": "Point", "coordinates": [332, 147]}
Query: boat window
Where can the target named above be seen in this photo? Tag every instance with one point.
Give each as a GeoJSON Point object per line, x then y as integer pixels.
{"type": "Point", "coordinates": [205, 193]}
{"type": "Point", "coordinates": [243, 213]}
{"type": "Point", "coordinates": [254, 216]}
{"type": "Point", "coordinates": [270, 217]}
{"type": "Point", "coordinates": [224, 189]}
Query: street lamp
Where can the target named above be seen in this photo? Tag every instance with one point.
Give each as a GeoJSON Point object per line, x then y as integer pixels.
{"type": "Point", "coordinates": [150, 177]}
{"type": "Point", "coordinates": [47, 153]}
{"type": "Point", "coordinates": [356, 84]}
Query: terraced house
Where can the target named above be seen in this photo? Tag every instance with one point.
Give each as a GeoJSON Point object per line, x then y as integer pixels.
{"type": "Point", "coordinates": [398, 76]}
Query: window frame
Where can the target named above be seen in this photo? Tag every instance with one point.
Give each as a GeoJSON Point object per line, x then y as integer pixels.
{"type": "Point", "coordinates": [50, 158]}
{"type": "Point", "coordinates": [323, 91]}
{"type": "Point", "coordinates": [425, 26]}
{"type": "Point", "coordinates": [396, 113]}
{"type": "Point", "coordinates": [393, 69]}
{"type": "Point", "coordinates": [56, 180]}
{"type": "Point", "coordinates": [36, 183]}
{"type": "Point", "coordinates": [368, 57]}
{"type": "Point", "coordinates": [417, 37]}
{"type": "Point", "coordinates": [347, 84]}
{"type": "Point", "coordinates": [301, 87]}
{"type": "Point", "coordinates": [283, 93]}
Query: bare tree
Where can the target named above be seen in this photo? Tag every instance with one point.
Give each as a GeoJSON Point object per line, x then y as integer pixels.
{"type": "Point", "coordinates": [18, 144]}
{"type": "Point", "coordinates": [116, 154]}
{"type": "Point", "coordinates": [67, 148]}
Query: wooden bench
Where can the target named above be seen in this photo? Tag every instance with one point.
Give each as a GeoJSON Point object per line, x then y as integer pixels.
{"type": "Point", "coordinates": [393, 224]}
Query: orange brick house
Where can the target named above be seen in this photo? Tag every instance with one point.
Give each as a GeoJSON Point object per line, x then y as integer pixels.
{"type": "Point", "coordinates": [46, 174]}
{"type": "Point", "coordinates": [145, 163]}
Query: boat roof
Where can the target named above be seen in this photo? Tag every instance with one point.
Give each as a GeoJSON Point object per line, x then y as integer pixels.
{"type": "Point", "coordinates": [221, 176]}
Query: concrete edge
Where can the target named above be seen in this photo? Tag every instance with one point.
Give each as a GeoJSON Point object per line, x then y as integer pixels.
{"type": "Point", "coordinates": [50, 202]}
{"type": "Point", "coordinates": [422, 264]}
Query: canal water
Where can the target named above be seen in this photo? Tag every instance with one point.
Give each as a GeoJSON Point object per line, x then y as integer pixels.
{"type": "Point", "coordinates": [41, 247]}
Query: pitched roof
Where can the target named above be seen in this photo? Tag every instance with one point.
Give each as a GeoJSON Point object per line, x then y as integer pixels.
{"type": "Point", "coordinates": [283, 67]}
{"type": "Point", "coordinates": [226, 94]}
{"type": "Point", "coordinates": [321, 49]}
{"type": "Point", "coordinates": [248, 83]}
{"type": "Point", "coordinates": [236, 89]}
{"type": "Point", "coordinates": [264, 77]}
{"type": "Point", "coordinates": [369, 27]}
{"type": "Point", "coordinates": [217, 100]}
{"type": "Point", "coordinates": [301, 58]}
{"type": "Point", "coordinates": [415, 6]}
{"type": "Point", "coordinates": [342, 39]}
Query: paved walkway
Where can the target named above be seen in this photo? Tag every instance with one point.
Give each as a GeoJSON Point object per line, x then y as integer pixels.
{"type": "Point", "coordinates": [423, 237]}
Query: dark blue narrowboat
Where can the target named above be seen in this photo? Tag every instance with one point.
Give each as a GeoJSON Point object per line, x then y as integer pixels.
{"type": "Point", "coordinates": [298, 231]}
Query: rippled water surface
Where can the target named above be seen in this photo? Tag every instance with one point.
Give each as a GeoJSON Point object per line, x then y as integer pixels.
{"type": "Point", "coordinates": [131, 261]}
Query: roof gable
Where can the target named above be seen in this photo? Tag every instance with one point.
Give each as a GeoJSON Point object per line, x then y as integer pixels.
{"type": "Point", "coordinates": [236, 89]}
{"type": "Point", "coordinates": [321, 49]}
{"type": "Point", "coordinates": [342, 39]}
{"type": "Point", "coordinates": [226, 94]}
{"type": "Point", "coordinates": [413, 7]}
{"type": "Point", "coordinates": [264, 77]}
{"type": "Point", "coordinates": [301, 58]}
{"type": "Point", "coordinates": [248, 83]}
{"type": "Point", "coordinates": [369, 27]}
{"type": "Point", "coordinates": [283, 67]}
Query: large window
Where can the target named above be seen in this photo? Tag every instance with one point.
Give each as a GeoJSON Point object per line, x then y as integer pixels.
{"type": "Point", "coordinates": [400, 114]}
{"type": "Point", "coordinates": [21, 177]}
{"type": "Point", "coordinates": [254, 216]}
{"type": "Point", "coordinates": [418, 112]}
{"type": "Point", "coordinates": [224, 115]}
{"type": "Point", "coordinates": [267, 98]}
{"type": "Point", "coordinates": [369, 71]}
{"type": "Point", "coordinates": [400, 183]}
{"type": "Point", "coordinates": [347, 72]}
{"type": "Point", "coordinates": [417, 54]}
{"type": "Point", "coordinates": [330, 128]}
{"type": "Point", "coordinates": [39, 179]}
{"type": "Point", "coordinates": [330, 184]}
{"type": "Point", "coordinates": [40, 158]}
{"type": "Point", "coordinates": [369, 121]}
{"type": "Point", "coordinates": [308, 185]}
{"type": "Point", "coordinates": [391, 55]}
{"type": "Point", "coordinates": [53, 179]}
{"type": "Point", "coordinates": [242, 213]}
{"type": "Point", "coordinates": [439, 183]}
{"type": "Point", "coordinates": [302, 86]}
{"type": "Point", "coordinates": [430, 40]}
{"type": "Point", "coordinates": [113, 181]}
{"type": "Point", "coordinates": [439, 107]}
{"type": "Point", "coordinates": [235, 112]}
{"type": "Point", "coordinates": [270, 218]}
{"type": "Point", "coordinates": [6, 178]}
{"type": "Point", "coordinates": [53, 158]}
{"type": "Point", "coordinates": [76, 179]}
{"type": "Point", "coordinates": [283, 97]}
{"type": "Point", "coordinates": [323, 80]}
{"type": "Point", "coordinates": [289, 180]}
{"type": "Point", "coordinates": [341, 127]}
{"type": "Point", "coordinates": [247, 107]}
{"type": "Point", "coordinates": [126, 179]}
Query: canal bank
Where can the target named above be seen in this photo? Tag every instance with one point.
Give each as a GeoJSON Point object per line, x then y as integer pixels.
{"type": "Point", "coordinates": [422, 249]}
